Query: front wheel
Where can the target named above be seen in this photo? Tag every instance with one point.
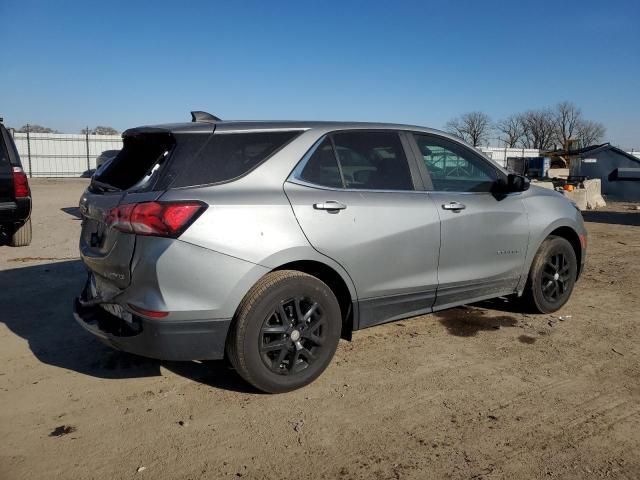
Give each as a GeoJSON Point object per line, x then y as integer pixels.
{"type": "Point", "coordinates": [552, 276]}
{"type": "Point", "coordinates": [285, 332]}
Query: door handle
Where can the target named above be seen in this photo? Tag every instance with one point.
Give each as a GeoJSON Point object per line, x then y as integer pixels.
{"type": "Point", "coordinates": [455, 206]}
{"type": "Point", "coordinates": [330, 205]}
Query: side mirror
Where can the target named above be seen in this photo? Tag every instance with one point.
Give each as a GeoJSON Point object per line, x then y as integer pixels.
{"type": "Point", "coordinates": [513, 183]}
{"type": "Point", "coordinates": [517, 183]}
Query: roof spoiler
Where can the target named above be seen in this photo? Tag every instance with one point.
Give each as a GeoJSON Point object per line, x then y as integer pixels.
{"type": "Point", "coordinates": [199, 116]}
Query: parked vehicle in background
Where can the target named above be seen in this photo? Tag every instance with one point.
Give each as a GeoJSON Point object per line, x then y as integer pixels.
{"type": "Point", "coordinates": [101, 160]}
{"type": "Point", "coordinates": [105, 157]}
{"type": "Point", "coordinates": [268, 241]}
{"type": "Point", "coordinates": [15, 195]}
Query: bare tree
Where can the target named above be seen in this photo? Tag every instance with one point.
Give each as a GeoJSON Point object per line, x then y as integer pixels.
{"type": "Point", "coordinates": [35, 129]}
{"type": "Point", "coordinates": [539, 129]}
{"type": "Point", "coordinates": [512, 130]}
{"type": "Point", "coordinates": [589, 132]}
{"type": "Point", "coordinates": [473, 127]}
{"type": "Point", "coordinates": [100, 130]}
{"type": "Point", "coordinates": [567, 119]}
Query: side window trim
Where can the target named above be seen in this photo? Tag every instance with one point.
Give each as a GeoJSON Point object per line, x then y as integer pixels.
{"type": "Point", "coordinates": [425, 172]}
{"type": "Point", "coordinates": [418, 161]}
{"type": "Point", "coordinates": [337, 157]}
{"type": "Point", "coordinates": [406, 139]}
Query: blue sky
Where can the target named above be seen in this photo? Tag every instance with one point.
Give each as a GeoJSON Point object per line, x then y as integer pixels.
{"type": "Point", "coordinates": [70, 64]}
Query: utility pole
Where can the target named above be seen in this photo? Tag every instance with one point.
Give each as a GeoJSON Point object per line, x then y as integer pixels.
{"type": "Point", "coordinates": [86, 137]}
{"type": "Point", "coordinates": [29, 151]}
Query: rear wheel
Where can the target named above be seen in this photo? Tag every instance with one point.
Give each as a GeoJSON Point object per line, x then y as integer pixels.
{"type": "Point", "coordinates": [22, 236]}
{"type": "Point", "coordinates": [285, 332]}
{"type": "Point", "coordinates": [552, 276]}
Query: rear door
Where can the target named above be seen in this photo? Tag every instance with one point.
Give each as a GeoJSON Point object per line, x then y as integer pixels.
{"type": "Point", "coordinates": [484, 237]}
{"type": "Point", "coordinates": [355, 197]}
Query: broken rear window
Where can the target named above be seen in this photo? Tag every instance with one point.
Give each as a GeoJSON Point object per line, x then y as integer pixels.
{"type": "Point", "coordinates": [141, 153]}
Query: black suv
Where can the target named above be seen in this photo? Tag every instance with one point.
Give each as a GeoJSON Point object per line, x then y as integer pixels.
{"type": "Point", "coordinates": [15, 195]}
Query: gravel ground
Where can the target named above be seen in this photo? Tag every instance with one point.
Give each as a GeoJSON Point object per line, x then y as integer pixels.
{"type": "Point", "coordinates": [475, 392]}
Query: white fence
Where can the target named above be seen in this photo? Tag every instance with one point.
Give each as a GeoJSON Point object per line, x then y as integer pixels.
{"type": "Point", "coordinates": [500, 154]}
{"type": "Point", "coordinates": [63, 155]}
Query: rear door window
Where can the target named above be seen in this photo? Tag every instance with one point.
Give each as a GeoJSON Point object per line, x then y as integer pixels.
{"type": "Point", "coordinates": [8, 152]}
{"type": "Point", "coordinates": [373, 161]}
{"type": "Point", "coordinates": [6, 183]}
{"type": "Point", "coordinates": [227, 156]}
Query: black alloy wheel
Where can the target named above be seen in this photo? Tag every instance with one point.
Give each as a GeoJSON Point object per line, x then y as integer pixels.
{"type": "Point", "coordinates": [285, 331]}
{"type": "Point", "coordinates": [556, 279]}
{"type": "Point", "coordinates": [553, 274]}
{"type": "Point", "coordinates": [293, 335]}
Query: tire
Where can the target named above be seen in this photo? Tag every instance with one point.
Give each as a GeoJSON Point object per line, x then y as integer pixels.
{"type": "Point", "coordinates": [22, 236]}
{"type": "Point", "coordinates": [552, 276]}
{"type": "Point", "coordinates": [272, 344]}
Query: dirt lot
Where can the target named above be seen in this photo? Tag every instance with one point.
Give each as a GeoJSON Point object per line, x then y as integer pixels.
{"type": "Point", "coordinates": [476, 392]}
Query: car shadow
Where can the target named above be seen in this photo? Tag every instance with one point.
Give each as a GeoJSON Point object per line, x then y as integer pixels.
{"type": "Point", "coordinates": [618, 218]}
{"type": "Point", "coordinates": [504, 304]}
{"type": "Point", "coordinates": [468, 320]}
{"type": "Point", "coordinates": [37, 303]}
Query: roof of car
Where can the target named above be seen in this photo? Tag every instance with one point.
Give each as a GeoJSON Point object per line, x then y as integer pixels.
{"type": "Point", "coordinates": [265, 125]}
{"type": "Point", "coordinates": [240, 125]}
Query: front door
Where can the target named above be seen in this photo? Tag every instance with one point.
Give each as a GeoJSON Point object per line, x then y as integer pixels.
{"type": "Point", "coordinates": [484, 237]}
{"type": "Point", "coordinates": [355, 200]}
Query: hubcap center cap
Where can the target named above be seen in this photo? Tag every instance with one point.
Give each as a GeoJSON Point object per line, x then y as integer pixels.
{"type": "Point", "coordinates": [556, 276]}
{"type": "Point", "coordinates": [295, 335]}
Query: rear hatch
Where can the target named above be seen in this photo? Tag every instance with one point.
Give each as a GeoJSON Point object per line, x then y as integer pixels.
{"type": "Point", "coordinates": [139, 173]}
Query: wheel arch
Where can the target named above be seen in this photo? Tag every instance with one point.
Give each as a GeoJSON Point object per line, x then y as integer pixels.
{"type": "Point", "coordinates": [566, 230]}
{"type": "Point", "coordinates": [573, 238]}
{"type": "Point", "coordinates": [338, 285]}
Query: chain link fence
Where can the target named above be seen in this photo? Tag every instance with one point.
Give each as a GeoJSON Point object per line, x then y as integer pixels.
{"type": "Point", "coordinates": [62, 155]}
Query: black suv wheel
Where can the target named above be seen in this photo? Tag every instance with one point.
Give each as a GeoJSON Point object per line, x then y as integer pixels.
{"type": "Point", "coordinates": [285, 332]}
{"type": "Point", "coordinates": [552, 276]}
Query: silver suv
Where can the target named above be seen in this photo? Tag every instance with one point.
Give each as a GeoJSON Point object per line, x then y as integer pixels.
{"type": "Point", "coordinates": [266, 242]}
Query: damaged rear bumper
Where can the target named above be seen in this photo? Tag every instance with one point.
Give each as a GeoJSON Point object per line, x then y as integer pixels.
{"type": "Point", "coordinates": [161, 339]}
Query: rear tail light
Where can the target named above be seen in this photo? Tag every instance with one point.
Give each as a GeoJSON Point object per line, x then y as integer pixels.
{"type": "Point", "coordinates": [155, 218]}
{"type": "Point", "coordinates": [20, 183]}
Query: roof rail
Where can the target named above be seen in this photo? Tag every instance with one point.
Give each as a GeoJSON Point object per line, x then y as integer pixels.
{"type": "Point", "coordinates": [199, 116]}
